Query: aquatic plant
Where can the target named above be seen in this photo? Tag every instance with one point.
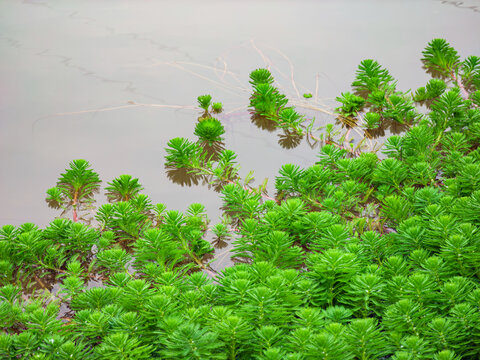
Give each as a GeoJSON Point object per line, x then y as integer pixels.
{"type": "Point", "coordinates": [209, 130]}
{"type": "Point", "coordinates": [267, 101]}
{"type": "Point", "coordinates": [261, 76]}
{"type": "Point", "coordinates": [355, 257]}
{"type": "Point", "coordinates": [375, 92]}
{"type": "Point", "coordinates": [371, 77]}
{"type": "Point", "coordinates": [221, 231]}
{"type": "Point", "coordinates": [75, 187]}
{"type": "Point", "coordinates": [433, 89]}
{"type": "Point", "coordinates": [440, 56]}
{"type": "Point", "coordinates": [182, 153]}
{"type": "Point", "coordinates": [288, 118]}
{"type": "Point", "coordinates": [372, 120]}
{"type": "Point", "coordinates": [123, 188]}
{"type": "Point", "coordinates": [351, 104]}
{"type": "Point", "coordinates": [217, 107]}
{"type": "Point", "coordinates": [204, 102]}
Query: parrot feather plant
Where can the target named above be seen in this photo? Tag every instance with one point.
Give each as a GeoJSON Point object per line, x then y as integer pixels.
{"type": "Point", "coordinates": [75, 188]}
{"type": "Point", "coordinates": [355, 257]}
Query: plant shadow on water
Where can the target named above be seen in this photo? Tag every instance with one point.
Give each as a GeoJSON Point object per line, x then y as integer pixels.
{"type": "Point", "coordinates": [289, 139]}
{"type": "Point", "coordinates": [395, 127]}
{"type": "Point", "coordinates": [263, 122]}
{"type": "Point", "coordinates": [219, 243]}
{"type": "Point", "coordinates": [183, 176]}
{"type": "Point", "coordinates": [387, 127]}
{"type": "Point", "coordinates": [212, 149]}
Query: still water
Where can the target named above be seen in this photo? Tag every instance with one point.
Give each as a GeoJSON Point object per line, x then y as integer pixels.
{"type": "Point", "coordinates": [112, 81]}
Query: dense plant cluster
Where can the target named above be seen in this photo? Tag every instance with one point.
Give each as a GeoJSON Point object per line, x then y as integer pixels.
{"type": "Point", "coordinates": [354, 258]}
{"type": "Point", "coordinates": [378, 99]}
{"type": "Point", "coordinates": [376, 94]}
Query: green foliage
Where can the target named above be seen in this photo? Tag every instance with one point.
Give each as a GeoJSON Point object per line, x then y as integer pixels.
{"type": "Point", "coordinates": [114, 259]}
{"type": "Point", "coordinates": [121, 346]}
{"type": "Point", "coordinates": [396, 208]}
{"type": "Point", "coordinates": [209, 130]}
{"type": "Point", "coordinates": [400, 108]}
{"type": "Point", "coordinates": [184, 154]}
{"type": "Point", "coordinates": [356, 256]}
{"type": "Point", "coordinates": [351, 104]}
{"type": "Point", "coordinates": [78, 182]}
{"type": "Point", "coordinates": [372, 120]}
{"type": "Point", "coordinates": [159, 248]}
{"type": "Point", "coordinates": [371, 77]}
{"type": "Point", "coordinates": [204, 101]}
{"type": "Point", "coordinates": [181, 152]}
{"type": "Point", "coordinates": [189, 341]}
{"type": "Point", "coordinates": [366, 339]}
{"type": "Point", "coordinates": [332, 270]}
{"type": "Point", "coordinates": [375, 88]}
{"type": "Point", "coordinates": [449, 111]}
{"type": "Point", "coordinates": [75, 188]}
{"type": "Point", "coordinates": [475, 97]}
{"type": "Point", "coordinates": [289, 118]}
{"type": "Point", "coordinates": [217, 107]}
{"type": "Point", "coordinates": [123, 188]}
{"type": "Point", "coordinates": [261, 76]}
{"type": "Point", "coordinates": [433, 89]}
{"type": "Point", "coordinates": [126, 219]}
{"type": "Point", "coordinates": [440, 56]}
{"type": "Point", "coordinates": [471, 72]}
{"type": "Point", "coordinates": [390, 172]}
{"type": "Point", "coordinates": [267, 100]}
{"type": "Point", "coordinates": [365, 294]}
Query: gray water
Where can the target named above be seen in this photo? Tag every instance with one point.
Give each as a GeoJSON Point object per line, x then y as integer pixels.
{"type": "Point", "coordinates": [112, 81]}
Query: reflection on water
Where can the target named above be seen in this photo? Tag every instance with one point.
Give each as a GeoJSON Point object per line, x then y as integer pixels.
{"type": "Point", "coordinates": [219, 243]}
{"type": "Point", "coordinates": [289, 139]}
{"type": "Point", "coordinates": [183, 176]}
{"type": "Point", "coordinates": [375, 133]}
{"type": "Point", "coordinates": [263, 123]}
{"type": "Point", "coordinates": [387, 127]}
{"type": "Point", "coordinates": [394, 127]}
{"type": "Point", "coordinates": [212, 150]}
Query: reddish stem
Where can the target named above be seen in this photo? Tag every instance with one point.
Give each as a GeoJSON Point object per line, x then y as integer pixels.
{"type": "Point", "coordinates": [460, 85]}
{"type": "Point", "coordinates": [74, 206]}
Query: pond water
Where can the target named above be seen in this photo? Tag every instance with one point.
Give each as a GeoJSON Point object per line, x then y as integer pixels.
{"type": "Point", "coordinates": [112, 81]}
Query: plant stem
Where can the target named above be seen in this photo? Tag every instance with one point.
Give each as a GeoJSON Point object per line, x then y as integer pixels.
{"type": "Point", "coordinates": [40, 282]}
{"type": "Point", "coordinates": [74, 206]}
{"type": "Point", "coordinates": [459, 83]}
{"type": "Point", "coordinates": [194, 257]}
